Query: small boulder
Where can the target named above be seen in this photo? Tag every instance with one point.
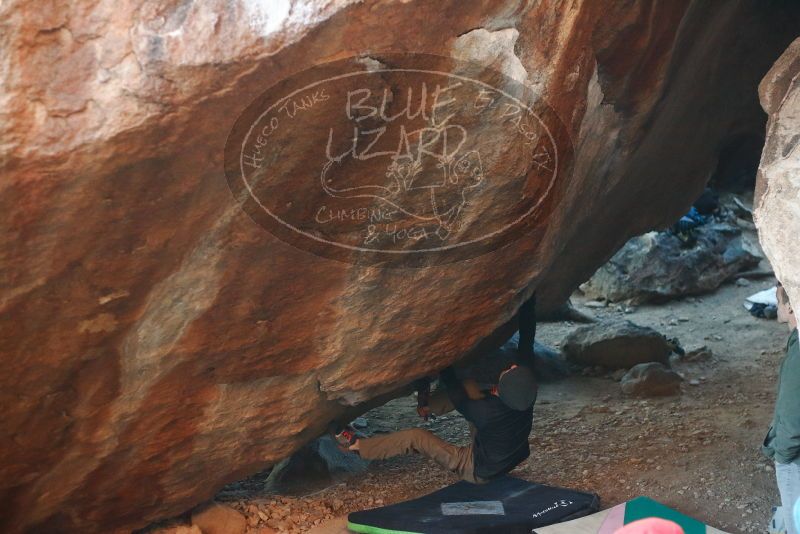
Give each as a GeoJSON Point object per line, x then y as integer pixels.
{"type": "Point", "coordinates": [698, 355]}
{"type": "Point", "coordinates": [651, 380]}
{"type": "Point", "coordinates": [616, 345]}
{"type": "Point", "coordinates": [315, 466]}
{"type": "Point", "coordinates": [617, 375]}
{"type": "Point", "coordinates": [217, 518]}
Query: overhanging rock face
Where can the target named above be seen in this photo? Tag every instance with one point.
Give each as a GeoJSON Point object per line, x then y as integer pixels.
{"type": "Point", "coordinates": [158, 343]}
{"type": "Point", "coordinates": [777, 211]}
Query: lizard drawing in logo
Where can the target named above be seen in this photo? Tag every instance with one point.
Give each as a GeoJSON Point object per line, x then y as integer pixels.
{"type": "Point", "coordinates": [429, 185]}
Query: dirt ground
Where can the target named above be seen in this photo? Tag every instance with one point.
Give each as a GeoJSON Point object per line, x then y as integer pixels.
{"type": "Point", "coordinates": [697, 452]}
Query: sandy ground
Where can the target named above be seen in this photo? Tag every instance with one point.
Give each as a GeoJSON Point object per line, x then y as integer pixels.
{"type": "Point", "coordinates": [697, 452]}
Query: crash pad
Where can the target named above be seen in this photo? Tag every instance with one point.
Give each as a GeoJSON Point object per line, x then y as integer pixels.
{"type": "Point", "coordinates": [505, 504]}
{"type": "Point", "coordinates": [608, 521]}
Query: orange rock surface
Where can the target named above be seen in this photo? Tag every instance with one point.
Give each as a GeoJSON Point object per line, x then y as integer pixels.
{"type": "Point", "coordinates": [156, 343]}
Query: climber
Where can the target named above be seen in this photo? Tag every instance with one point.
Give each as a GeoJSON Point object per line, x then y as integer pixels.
{"type": "Point", "coordinates": [699, 214]}
{"type": "Point", "coordinates": [782, 444]}
{"type": "Point", "coordinates": [500, 418]}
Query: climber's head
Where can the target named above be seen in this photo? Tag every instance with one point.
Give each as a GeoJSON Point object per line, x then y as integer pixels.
{"type": "Point", "coordinates": [516, 387]}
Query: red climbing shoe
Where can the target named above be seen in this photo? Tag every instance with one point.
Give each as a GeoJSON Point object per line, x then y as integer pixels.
{"type": "Point", "coordinates": [345, 437]}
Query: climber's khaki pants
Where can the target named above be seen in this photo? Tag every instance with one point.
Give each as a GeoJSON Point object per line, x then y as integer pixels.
{"type": "Point", "coordinates": [417, 440]}
{"type": "Point", "coordinates": [459, 460]}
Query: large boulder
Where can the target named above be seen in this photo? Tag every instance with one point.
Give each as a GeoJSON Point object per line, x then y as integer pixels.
{"type": "Point", "coordinates": [660, 266]}
{"type": "Point", "coordinates": [778, 184]}
{"type": "Point", "coordinates": [616, 344]}
{"type": "Point", "coordinates": [158, 343]}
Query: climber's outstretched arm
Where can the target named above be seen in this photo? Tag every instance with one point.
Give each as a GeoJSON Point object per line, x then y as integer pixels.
{"type": "Point", "coordinates": [527, 331]}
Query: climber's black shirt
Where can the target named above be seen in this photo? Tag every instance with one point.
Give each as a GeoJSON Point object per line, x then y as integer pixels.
{"type": "Point", "coordinates": [501, 439]}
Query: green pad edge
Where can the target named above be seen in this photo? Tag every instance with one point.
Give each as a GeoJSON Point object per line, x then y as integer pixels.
{"type": "Point", "coordinates": [644, 507]}
{"type": "Point", "coordinates": [366, 529]}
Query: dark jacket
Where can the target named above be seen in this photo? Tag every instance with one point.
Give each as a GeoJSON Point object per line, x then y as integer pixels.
{"type": "Point", "coordinates": [501, 436]}
{"type": "Point", "coordinates": [782, 443]}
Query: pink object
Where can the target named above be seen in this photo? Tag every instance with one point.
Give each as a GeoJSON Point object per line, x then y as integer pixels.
{"type": "Point", "coordinates": [614, 520]}
{"type": "Point", "coordinates": [651, 525]}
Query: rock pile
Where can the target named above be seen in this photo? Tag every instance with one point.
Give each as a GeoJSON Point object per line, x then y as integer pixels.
{"type": "Point", "coordinates": [617, 344]}
{"type": "Point", "coordinates": [658, 266]}
{"type": "Point", "coordinates": [636, 356]}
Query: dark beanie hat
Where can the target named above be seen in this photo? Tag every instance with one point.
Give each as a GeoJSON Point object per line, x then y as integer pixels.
{"type": "Point", "coordinates": [517, 388]}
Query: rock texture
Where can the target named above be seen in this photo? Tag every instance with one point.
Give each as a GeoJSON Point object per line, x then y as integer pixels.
{"type": "Point", "coordinates": [656, 266]}
{"type": "Point", "coordinates": [651, 380]}
{"type": "Point", "coordinates": [216, 518]}
{"type": "Point", "coordinates": [616, 345]}
{"type": "Point", "coordinates": [777, 206]}
{"type": "Point", "coordinates": [157, 344]}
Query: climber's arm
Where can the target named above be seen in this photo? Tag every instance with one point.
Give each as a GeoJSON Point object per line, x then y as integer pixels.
{"type": "Point", "coordinates": [455, 389]}
{"type": "Point", "coordinates": [527, 332]}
